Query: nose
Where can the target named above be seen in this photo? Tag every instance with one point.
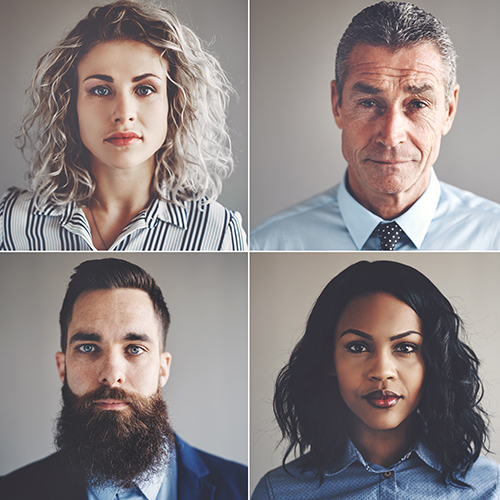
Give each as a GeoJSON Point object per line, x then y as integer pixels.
{"type": "Point", "coordinates": [382, 367]}
{"type": "Point", "coordinates": [392, 128]}
{"type": "Point", "coordinates": [112, 372]}
{"type": "Point", "coordinates": [124, 108]}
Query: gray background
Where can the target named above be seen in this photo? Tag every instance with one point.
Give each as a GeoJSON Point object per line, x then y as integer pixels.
{"type": "Point", "coordinates": [295, 144]}
{"type": "Point", "coordinates": [207, 392]}
{"type": "Point", "coordinates": [285, 286]}
{"type": "Point", "coordinates": [29, 28]}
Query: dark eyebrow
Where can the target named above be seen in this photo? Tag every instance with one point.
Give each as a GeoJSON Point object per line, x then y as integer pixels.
{"type": "Point", "coordinates": [364, 88]}
{"type": "Point", "coordinates": [106, 78]}
{"type": "Point", "coordinates": [142, 337]}
{"type": "Point", "coordinates": [109, 79]}
{"type": "Point", "coordinates": [89, 337]}
{"type": "Point", "coordinates": [367, 336]}
{"type": "Point", "coordinates": [145, 75]}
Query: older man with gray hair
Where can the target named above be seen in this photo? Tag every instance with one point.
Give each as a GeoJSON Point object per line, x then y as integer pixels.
{"type": "Point", "coordinates": [395, 95]}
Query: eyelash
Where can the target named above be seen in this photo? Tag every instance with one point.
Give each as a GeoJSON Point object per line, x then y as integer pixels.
{"type": "Point", "coordinates": [94, 90]}
{"type": "Point", "coordinates": [95, 349]}
{"type": "Point", "coordinates": [398, 347]}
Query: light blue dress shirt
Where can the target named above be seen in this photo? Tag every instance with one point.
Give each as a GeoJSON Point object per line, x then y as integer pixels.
{"type": "Point", "coordinates": [443, 218]}
{"type": "Point", "coordinates": [415, 477]}
{"type": "Point", "coordinates": [162, 487]}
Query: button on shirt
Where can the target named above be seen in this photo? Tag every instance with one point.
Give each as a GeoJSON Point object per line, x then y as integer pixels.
{"type": "Point", "coordinates": [164, 226]}
{"type": "Point", "coordinates": [163, 487]}
{"type": "Point", "coordinates": [443, 218]}
{"type": "Point", "coordinates": [415, 477]}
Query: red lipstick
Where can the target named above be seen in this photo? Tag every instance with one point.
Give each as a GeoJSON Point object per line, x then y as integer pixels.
{"type": "Point", "coordinates": [123, 138]}
{"type": "Point", "coordinates": [382, 399]}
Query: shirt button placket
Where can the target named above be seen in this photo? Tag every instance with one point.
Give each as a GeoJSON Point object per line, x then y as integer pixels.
{"type": "Point", "coordinates": [387, 483]}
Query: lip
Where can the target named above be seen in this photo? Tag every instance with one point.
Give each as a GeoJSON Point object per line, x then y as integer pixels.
{"type": "Point", "coordinates": [382, 399]}
{"type": "Point", "coordinates": [110, 404]}
{"type": "Point", "coordinates": [390, 162]}
{"type": "Point", "coordinates": [123, 138]}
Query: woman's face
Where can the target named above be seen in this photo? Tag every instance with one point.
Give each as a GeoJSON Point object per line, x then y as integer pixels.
{"type": "Point", "coordinates": [122, 104]}
{"type": "Point", "coordinates": [378, 361]}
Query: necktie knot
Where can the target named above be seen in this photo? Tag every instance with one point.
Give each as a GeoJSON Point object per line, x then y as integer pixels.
{"type": "Point", "coordinates": [389, 234]}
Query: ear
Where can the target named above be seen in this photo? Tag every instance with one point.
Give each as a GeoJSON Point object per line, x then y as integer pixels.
{"type": "Point", "coordinates": [61, 365]}
{"type": "Point", "coordinates": [165, 360]}
{"type": "Point", "coordinates": [452, 110]}
{"type": "Point", "coordinates": [337, 114]}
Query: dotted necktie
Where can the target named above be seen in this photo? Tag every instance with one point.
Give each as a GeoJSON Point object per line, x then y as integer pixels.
{"type": "Point", "coordinates": [389, 235]}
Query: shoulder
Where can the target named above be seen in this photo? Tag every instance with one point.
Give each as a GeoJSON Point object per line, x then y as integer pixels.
{"type": "Point", "coordinates": [45, 479]}
{"type": "Point", "coordinates": [291, 483]}
{"type": "Point", "coordinates": [314, 214]}
{"type": "Point", "coordinates": [210, 226]}
{"type": "Point", "coordinates": [230, 479]}
{"type": "Point", "coordinates": [462, 199]}
{"type": "Point", "coordinates": [17, 199]}
{"type": "Point", "coordinates": [484, 477]}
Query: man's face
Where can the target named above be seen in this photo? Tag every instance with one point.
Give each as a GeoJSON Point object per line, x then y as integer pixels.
{"type": "Point", "coordinates": [114, 341]}
{"type": "Point", "coordinates": [392, 117]}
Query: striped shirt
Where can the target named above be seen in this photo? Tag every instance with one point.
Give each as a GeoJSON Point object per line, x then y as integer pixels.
{"type": "Point", "coordinates": [162, 226]}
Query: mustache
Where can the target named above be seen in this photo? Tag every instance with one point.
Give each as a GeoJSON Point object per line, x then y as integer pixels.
{"type": "Point", "coordinates": [86, 402]}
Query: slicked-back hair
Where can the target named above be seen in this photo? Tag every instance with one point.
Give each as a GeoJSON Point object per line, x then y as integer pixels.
{"type": "Point", "coordinates": [196, 154]}
{"type": "Point", "coordinates": [396, 25]}
{"type": "Point", "coordinates": [308, 405]}
{"type": "Point", "coordinates": [110, 274]}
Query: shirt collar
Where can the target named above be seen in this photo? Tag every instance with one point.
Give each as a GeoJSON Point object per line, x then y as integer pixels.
{"type": "Point", "coordinates": [168, 211]}
{"type": "Point", "coordinates": [149, 489]}
{"type": "Point", "coordinates": [415, 222]}
{"type": "Point", "coordinates": [351, 455]}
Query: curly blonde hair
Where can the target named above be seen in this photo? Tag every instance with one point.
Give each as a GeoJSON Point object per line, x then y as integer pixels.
{"type": "Point", "coordinates": [196, 154]}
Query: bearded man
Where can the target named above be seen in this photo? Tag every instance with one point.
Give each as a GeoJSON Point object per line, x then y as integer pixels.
{"type": "Point", "coordinates": [113, 435]}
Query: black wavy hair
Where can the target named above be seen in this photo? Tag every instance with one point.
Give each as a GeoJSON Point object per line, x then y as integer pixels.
{"type": "Point", "coordinates": [307, 403]}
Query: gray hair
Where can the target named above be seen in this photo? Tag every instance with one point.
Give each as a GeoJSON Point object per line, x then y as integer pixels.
{"type": "Point", "coordinates": [396, 25]}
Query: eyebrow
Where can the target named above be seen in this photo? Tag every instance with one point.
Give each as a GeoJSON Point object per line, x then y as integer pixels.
{"type": "Point", "coordinates": [109, 79]}
{"type": "Point", "coordinates": [367, 336]}
{"type": "Point", "coordinates": [81, 336]}
{"type": "Point", "coordinates": [95, 337]}
{"type": "Point", "coordinates": [364, 88]}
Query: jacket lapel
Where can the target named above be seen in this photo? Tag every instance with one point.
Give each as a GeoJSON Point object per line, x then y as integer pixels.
{"type": "Point", "coordinates": [191, 471]}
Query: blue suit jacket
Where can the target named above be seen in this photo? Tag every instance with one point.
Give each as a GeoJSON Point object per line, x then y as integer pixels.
{"type": "Point", "coordinates": [200, 476]}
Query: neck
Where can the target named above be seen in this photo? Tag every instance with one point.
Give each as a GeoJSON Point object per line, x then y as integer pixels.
{"type": "Point", "coordinates": [125, 192]}
{"type": "Point", "coordinates": [387, 206]}
{"type": "Point", "coordinates": [382, 447]}
{"type": "Point", "coordinates": [119, 196]}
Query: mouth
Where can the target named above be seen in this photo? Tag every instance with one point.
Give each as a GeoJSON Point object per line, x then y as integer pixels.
{"type": "Point", "coordinates": [382, 399]}
{"type": "Point", "coordinates": [123, 138]}
{"type": "Point", "coordinates": [110, 404]}
{"type": "Point", "coordinates": [389, 162]}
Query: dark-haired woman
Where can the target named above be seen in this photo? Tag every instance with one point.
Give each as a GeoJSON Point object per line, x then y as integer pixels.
{"type": "Point", "coordinates": [380, 397]}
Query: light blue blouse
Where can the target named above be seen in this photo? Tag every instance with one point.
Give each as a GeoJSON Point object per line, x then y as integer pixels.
{"type": "Point", "coordinates": [416, 476]}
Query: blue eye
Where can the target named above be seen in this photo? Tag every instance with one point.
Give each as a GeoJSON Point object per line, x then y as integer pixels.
{"type": "Point", "coordinates": [145, 90]}
{"type": "Point", "coordinates": [135, 350]}
{"type": "Point", "coordinates": [100, 91]}
{"type": "Point", "coordinates": [86, 348]}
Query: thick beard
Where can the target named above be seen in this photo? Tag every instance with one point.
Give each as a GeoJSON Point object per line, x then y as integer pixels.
{"type": "Point", "coordinates": [114, 447]}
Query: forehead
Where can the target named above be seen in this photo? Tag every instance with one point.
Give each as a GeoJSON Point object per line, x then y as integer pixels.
{"type": "Point", "coordinates": [378, 313]}
{"type": "Point", "coordinates": [418, 64]}
{"type": "Point", "coordinates": [122, 56]}
{"type": "Point", "coordinates": [114, 314]}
